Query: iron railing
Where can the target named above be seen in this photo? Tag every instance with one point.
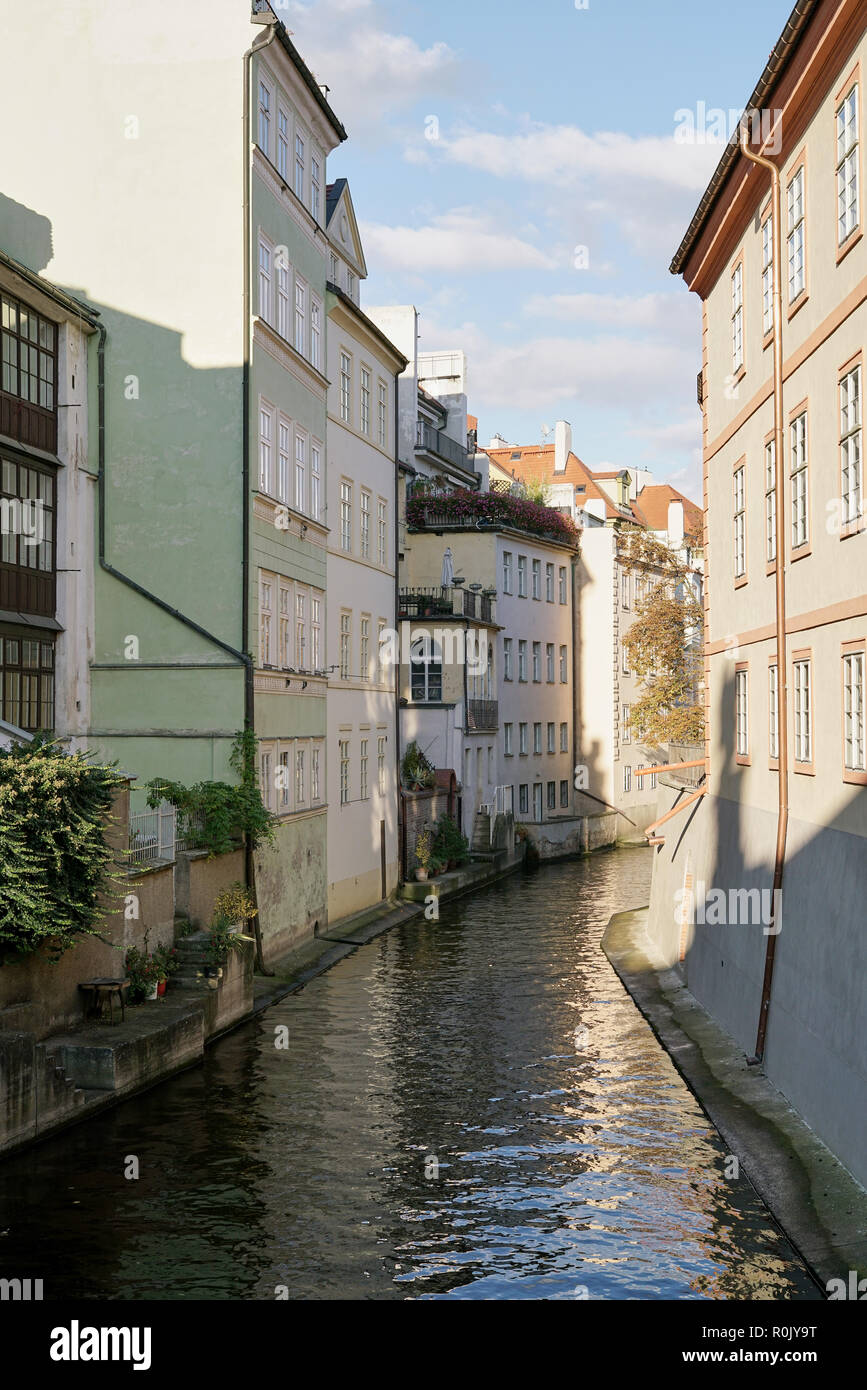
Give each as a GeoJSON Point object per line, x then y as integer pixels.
{"type": "Point", "coordinates": [483, 714]}
{"type": "Point", "coordinates": [439, 443]}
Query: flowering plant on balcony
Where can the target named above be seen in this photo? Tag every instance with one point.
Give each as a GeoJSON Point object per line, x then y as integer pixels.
{"type": "Point", "coordinates": [465, 508]}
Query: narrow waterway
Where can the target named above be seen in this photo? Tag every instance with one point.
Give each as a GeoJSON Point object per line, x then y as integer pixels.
{"type": "Point", "coordinates": [472, 1108]}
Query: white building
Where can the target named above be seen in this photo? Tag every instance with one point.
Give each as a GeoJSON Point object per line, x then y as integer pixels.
{"type": "Point", "coordinates": [362, 366]}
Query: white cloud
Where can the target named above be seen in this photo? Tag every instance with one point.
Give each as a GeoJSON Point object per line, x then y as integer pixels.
{"type": "Point", "coordinates": [458, 241]}
{"type": "Point", "coordinates": [673, 313]}
{"type": "Point", "coordinates": [614, 371]}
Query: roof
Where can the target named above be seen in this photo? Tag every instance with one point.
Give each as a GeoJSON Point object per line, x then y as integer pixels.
{"type": "Point", "coordinates": [332, 197]}
{"type": "Point", "coordinates": [652, 504]}
{"type": "Point", "coordinates": [74, 306]}
{"type": "Point", "coordinates": [282, 33]}
{"type": "Point", "coordinates": [781, 56]}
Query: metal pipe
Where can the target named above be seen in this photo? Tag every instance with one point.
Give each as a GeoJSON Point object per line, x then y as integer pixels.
{"type": "Point", "coordinates": [670, 767]}
{"type": "Point", "coordinates": [780, 576]}
{"type": "Point", "coordinates": [675, 810]}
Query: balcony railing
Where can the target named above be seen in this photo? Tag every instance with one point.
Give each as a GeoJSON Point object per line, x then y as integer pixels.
{"type": "Point", "coordinates": [439, 443]}
{"type": "Point", "coordinates": [483, 714]}
{"type": "Point", "coordinates": [450, 602]}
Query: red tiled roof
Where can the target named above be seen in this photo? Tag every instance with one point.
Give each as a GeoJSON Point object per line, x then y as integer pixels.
{"type": "Point", "coordinates": [653, 503]}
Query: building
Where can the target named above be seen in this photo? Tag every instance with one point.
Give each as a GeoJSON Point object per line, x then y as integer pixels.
{"type": "Point", "coordinates": [208, 272]}
{"type": "Point", "coordinates": [48, 488]}
{"type": "Point", "coordinates": [786, 595]}
{"type": "Point", "coordinates": [604, 505]}
{"type": "Point", "coordinates": [362, 368]}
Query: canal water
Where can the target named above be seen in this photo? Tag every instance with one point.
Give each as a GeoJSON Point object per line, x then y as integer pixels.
{"type": "Point", "coordinates": [467, 1109]}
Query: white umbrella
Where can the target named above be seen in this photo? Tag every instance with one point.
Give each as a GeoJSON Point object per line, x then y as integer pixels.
{"type": "Point", "coordinates": [448, 569]}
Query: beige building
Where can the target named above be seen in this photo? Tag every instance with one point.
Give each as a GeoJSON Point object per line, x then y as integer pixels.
{"type": "Point", "coordinates": [786, 791]}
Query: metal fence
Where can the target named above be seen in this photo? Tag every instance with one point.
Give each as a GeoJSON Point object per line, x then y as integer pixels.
{"type": "Point", "coordinates": [158, 833]}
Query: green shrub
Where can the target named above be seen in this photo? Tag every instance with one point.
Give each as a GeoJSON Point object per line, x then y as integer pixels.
{"type": "Point", "coordinates": [216, 814]}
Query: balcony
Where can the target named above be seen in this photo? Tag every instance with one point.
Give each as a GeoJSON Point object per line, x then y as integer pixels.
{"type": "Point", "coordinates": [483, 715]}
{"type": "Point", "coordinates": [452, 602]}
{"type": "Point", "coordinates": [440, 444]}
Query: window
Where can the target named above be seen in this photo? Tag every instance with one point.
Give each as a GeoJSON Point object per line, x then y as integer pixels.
{"type": "Point", "coordinates": [853, 712]}
{"type": "Point", "coordinates": [300, 631]}
{"type": "Point", "coordinates": [564, 794]}
{"type": "Point", "coordinates": [737, 317]}
{"type": "Point", "coordinates": [363, 792]}
{"type": "Point", "coordinates": [283, 459]}
{"type": "Point", "coordinates": [315, 781]}
{"type": "Point", "coordinates": [283, 781]}
{"type": "Point", "coordinates": [345, 637]}
{"type": "Point", "coordinates": [507, 739]}
{"type": "Point", "coordinates": [850, 445]}
{"type": "Point", "coordinates": [624, 660]}
{"type": "Point", "coordinates": [350, 283]}
{"type": "Point", "coordinates": [299, 167]}
{"type": "Point", "coordinates": [315, 481]}
{"type": "Point", "coordinates": [552, 737]}
{"type": "Point", "coordinates": [282, 142]}
{"type": "Point", "coordinates": [300, 472]}
{"type": "Point", "coordinates": [29, 357]}
{"type": "Point", "coordinates": [522, 739]}
{"type": "Point", "coordinates": [549, 583]}
{"type": "Point", "coordinates": [803, 712]}
{"type": "Point", "coordinates": [773, 714]}
{"type": "Point", "coordinates": [383, 415]}
{"type": "Point", "coordinates": [523, 799]}
{"type": "Point", "coordinates": [507, 658]}
{"type": "Point", "coordinates": [264, 118]}
{"type": "Point", "coordinates": [265, 778]}
{"type": "Point", "coordinates": [27, 683]}
{"type": "Point", "coordinates": [285, 631]}
{"type": "Point", "coordinates": [626, 724]}
{"type": "Point", "coordinates": [283, 293]}
{"type": "Point", "coordinates": [795, 234]}
{"type": "Point", "coordinates": [653, 781]}
{"type": "Point", "coordinates": [549, 658]}
{"type": "Point", "coordinates": [381, 654]}
{"type": "Point", "coordinates": [627, 778]}
{"type": "Point", "coordinates": [564, 738]}
{"type": "Point", "coordinates": [522, 659]}
{"type": "Point", "coordinates": [300, 788]}
{"type": "Point", "coordinates": [265, 305]}
{"type": "Point", "coordinates": [507, 571]}
{"type": "Point", "coordinates": [770, 502]}
{"type": "Point", "coordinates": [345, 388]}
{"type": "Point", "coordinates": [624, 590]}
{"type": "Point", "coordinates": [740, 522]}
{"type": "Point", "coordinates": [537, 579]}
{"type": "Point", "coordinates": [380, 764]}
{"type": "Point", "coordinates": [563, 597]}
{"type": "Point", "coordinates": [27, 501]}
{"type": "Point", "coordinates": [343, 745]}
{"type": "Point", "coordinates": [346, 516]}
{"type": "Point", "coordinates": [300, 317]}
{"type": "Point", "coordinates": [315, 634]}
{"type": "Point", "coordinates": [768, 274]}
{"type": "Point", "coordinates": [382, 532]}
{"type": "Point", "coordinates": [537, 738]}
{"type": "Point", "coordinates": [799, 487]}
{"type": "Point", "coordinates": [315, 186]}
{"type": "Point", "coordinates": [315, 333]}
{"type": "Point", "coordinates": [537, 661]}
{"type": "Point", "coordinates": [522, 576]}
{"type": "Point", "coordinates": [333, 269]}
{"type": "Point", "coordinates": [265, 594]}
{"type": "Point", "coordinates": [426, 670]}
{"type": "Point", "coordinates": [848, 215]}
{"type": "Point", "coordinates": [552, 796]}
{"type": "Point", "coordinates": [365, 400]}
{"type": "Point", "coordinates": [365, 649]}
{"type": "Point", "coordinates": [266, 427]}
{"type": "Point", "coordinates": [742, 720]}
{"type": "Point", "coordinates": [365, 524]}
{"type": "Point", "coordinates": [564, 672]}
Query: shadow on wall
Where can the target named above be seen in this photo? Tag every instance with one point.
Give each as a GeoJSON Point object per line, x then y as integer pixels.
{"type": "Point", "coordinates": [25, 235]}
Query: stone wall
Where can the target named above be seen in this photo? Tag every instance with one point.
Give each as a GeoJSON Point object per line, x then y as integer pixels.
{"type": "Point", "coordinates": [199, 879]}
{"type": "Point", "coordinates": [562, 839]}
{"type": "Point", "coordinates": [420, 811]}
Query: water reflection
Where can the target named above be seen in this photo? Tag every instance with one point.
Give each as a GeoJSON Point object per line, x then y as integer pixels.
{"type": "Point", "coordinates": [466, 1109]}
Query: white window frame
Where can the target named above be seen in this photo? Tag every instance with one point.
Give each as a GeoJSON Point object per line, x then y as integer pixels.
{"type": "Point", "coordinates": [266, 97]}
{"type": "Point", "coordinates": [739, 520]}
{"type": "Point", "coordinates": [848, 160]}
{"type": "Point", "coordinates": [802, 704]}
{"type": "Point", "coordinates": [799, 479]}
{"type": "Point", "coordinates": [266, 447]}
{"type": "Point", "coordinates": [768, 274]}
{"type": "Point", "coordinates": [773, 713]}
{"type": "Point", "coordinates": [266, 299]}
{"type": "Point", "coordinates": [770, 501]}
{"type": "Point", "coordinates": [300, 337]}
{"type": "Point", "coordinates": [796, 234]}
{"type": "Point", "coordinates": [346, 516]}
{"type": "Point", "coordinates": [851, 441]}
{"type": "Point", "coordinates": [345, 387]}
{"type": "Point", "coordinates": [742, 713]}
{"type": "Point", "coordinates": [737, 316]}
{"type": "Point", "coordinates": [854, 728]}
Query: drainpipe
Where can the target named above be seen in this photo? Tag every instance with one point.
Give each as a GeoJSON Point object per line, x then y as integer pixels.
{"type": "Point", "coordinates": [399, 806]}
{"type": "Point", "coordinates": [782, 687]}
{"type": "Point", "coordinates": [249, 703]}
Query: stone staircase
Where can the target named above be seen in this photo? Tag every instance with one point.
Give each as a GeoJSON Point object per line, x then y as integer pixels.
{"type": "Point", "coordinates": [191, 958]}
{"type": "Point", "coordinates": [57, 1093]}
{"type": "Point", "coordinates": [481, 841]}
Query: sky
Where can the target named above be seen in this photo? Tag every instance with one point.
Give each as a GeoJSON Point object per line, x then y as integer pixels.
{"type": "Point", "coordinates": [523, 173]}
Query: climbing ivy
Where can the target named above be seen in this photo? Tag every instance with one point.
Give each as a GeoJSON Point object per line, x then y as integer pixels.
{"type": "Point", "coordinates": [54, 860]}
{"type": "Point", "coordinates": [217, 814]}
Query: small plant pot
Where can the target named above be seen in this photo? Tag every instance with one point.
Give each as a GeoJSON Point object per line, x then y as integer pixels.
{"type": "Point", "coordinates": [153, 990]}
{"type": "Point", "coordinates": [421, 875]}
{"type": "Point", "coordinates": [161, 988]}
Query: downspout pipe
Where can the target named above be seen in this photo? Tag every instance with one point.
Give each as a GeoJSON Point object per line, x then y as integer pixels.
{"type": "Point", "coordinates": [780, 576]}
{"type": "Point", "coordinates": [249, 702]}
{"type": "Point", "coordinates": [399, 804]}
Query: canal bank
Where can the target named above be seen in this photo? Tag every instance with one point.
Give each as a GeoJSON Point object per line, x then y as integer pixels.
{"type": "Point", "coordinates": [817, 1202]}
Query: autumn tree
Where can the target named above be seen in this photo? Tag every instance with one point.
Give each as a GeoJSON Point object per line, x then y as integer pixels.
{"type": "Point", "coordinates": [664, 643]}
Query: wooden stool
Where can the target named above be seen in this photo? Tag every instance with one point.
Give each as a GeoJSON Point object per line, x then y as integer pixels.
{"type": "Point", "coordinates": [102, 990]}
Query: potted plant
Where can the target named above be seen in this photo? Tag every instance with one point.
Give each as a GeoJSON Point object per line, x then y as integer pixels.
{"type": "Point", "coordinates": [450, 845]}
{"type": "Point", "coordinates": [223, 937]}
{"type": "Point", "coordinates": [166, 962]}
{"type": "Point", "coordinates": [143, 974]}
{"type": "Point", "coordinates": [423, 855]}
{"type": "Point", "coordinates": [235, 905]}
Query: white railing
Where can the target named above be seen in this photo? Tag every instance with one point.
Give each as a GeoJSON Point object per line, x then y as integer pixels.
{"type": "Point", "coordinates": [152, 834]}
{"type": "Point", "coordinates": [502, 803]}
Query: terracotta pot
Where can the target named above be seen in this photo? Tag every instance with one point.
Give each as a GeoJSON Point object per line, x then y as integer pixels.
{"type": "Point", "coordinates": [421, 875]}
{"type": "Point", "coordinates": [161, 988]}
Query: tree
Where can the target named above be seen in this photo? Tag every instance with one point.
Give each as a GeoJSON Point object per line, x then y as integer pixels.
{"type": "Point", "coordinates": [664, 643]}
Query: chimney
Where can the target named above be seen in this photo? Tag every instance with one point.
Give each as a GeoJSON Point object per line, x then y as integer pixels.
{"type": "Point", "coordinates": [675, 523]}
{"type": "Point", "coordinates": [562, 445]}
{"type": "Point", "coordinates": [498, 442]}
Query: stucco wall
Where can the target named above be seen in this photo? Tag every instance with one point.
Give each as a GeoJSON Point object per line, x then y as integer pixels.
{"type": "Point", "coordinates": [291, 885]}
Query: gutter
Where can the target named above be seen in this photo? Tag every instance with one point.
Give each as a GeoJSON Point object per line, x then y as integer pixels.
{"type": "Point", "coordinates": [776, 65]}
{"type": "Point", "coordinates": [399, 807]}
{"type": "Point", "coordinates": [780, 578]}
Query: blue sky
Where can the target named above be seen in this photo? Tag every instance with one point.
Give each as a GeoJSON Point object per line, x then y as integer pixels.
{"type": "Point", "coordinates": [488, 142]}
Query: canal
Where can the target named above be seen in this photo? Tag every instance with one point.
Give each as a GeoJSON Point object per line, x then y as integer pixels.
{"type": "Point", "coordinates": [470, 1108]}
